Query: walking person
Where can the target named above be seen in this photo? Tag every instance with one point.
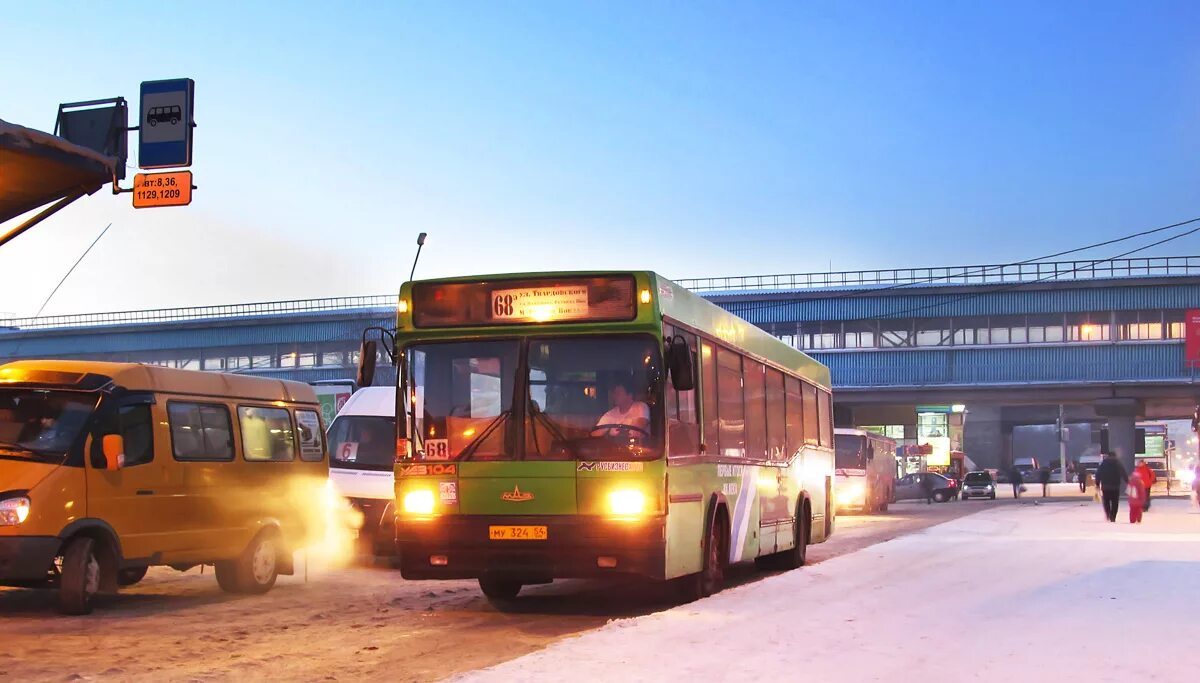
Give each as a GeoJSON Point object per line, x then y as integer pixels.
{"type": "Point", "coordinates": [1111, 477]}
{"type": "Point", "coordinates": [1082, 474]}
{"type": "Point", "coordinates": [927, 485]}
{"type": "Point", "coordinates": [1148, 478]}
{"type": "Point", "coordinates": [1137, 496]}
{"type": "Point", "coordinates": [1044, 478]}
{"type": "Point", "coordinates": [1018, 482]}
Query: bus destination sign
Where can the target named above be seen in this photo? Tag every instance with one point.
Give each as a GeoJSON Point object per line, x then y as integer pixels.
{"type": "Point", "coordinates": [541, 304]}
{"type": "Point", "coordinates": [162, 189]}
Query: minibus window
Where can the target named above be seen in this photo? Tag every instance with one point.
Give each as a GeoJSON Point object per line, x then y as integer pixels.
{"type": "Point", "coordinates": [266, 434]}
{"type": "Point", "coordinates": [312, 439]}
{"type": "Point", "coordinates": [200, 431]}
{"type": "Point", "coordinates": [135, 426]}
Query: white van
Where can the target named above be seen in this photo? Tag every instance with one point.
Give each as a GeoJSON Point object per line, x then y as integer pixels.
{"type": "Point", "coordinates": [362, 450]}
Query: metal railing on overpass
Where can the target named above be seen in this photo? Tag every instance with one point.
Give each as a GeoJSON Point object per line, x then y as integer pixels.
{"type": "Point", "coordinates": [264, 308]}
{"type": "Point", "coordinates": [966, 275]}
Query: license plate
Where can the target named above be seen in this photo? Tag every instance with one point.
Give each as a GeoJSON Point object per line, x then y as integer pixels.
{"type": "Point", "coordinates": [517, 533]}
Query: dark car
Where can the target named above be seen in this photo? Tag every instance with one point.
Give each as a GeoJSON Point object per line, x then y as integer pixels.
{"type": "Point", "coordinates": [909, 487]}
{"type": "Point", "coordinates": [979, 485]}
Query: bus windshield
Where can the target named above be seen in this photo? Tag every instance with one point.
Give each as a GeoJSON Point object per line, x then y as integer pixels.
{"type": "Point", "coordinates": [362, 442]}
{"type": "Point", "coordinates": [850, 451]}
{"type": "Point", "coordinates": [587, 398]}
{"type": "Point", "coordinates": [42, 424]}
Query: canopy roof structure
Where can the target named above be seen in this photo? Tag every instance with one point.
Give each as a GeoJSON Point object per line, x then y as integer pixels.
{"type": "Point", "coordinates": [37, 168]}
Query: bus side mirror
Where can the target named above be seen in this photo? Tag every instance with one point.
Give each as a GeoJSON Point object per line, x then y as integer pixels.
{"type": "Point", "coordinates": [366, 364]}
{"type": "Point", "coordinates": [679, 363]}
{"type": "Point", "coordinates": [113, 446]}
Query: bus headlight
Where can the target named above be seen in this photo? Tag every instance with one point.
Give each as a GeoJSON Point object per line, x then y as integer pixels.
{"type": "Point", "coordinates": [851, 494]}
{"type": "Point", "coordinates": [14, 511]}
{"type": "Point", "coordinates": [419, 502]}
{"type": "Point", "coordinates": [626, 502]}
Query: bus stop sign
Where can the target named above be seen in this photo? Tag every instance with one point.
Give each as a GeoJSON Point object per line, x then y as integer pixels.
{"type": "Point", "coordinates": [165, 127]}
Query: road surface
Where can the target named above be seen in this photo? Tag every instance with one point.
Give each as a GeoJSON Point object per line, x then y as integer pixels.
{"type": "Point", "coordinates": [346, 624]}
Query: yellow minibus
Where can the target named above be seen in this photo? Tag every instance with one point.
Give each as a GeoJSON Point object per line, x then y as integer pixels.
{"type": "Point", "coordinates": [107, 469]}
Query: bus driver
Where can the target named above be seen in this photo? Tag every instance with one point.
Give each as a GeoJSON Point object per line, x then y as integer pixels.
{"type": "Point", "coordinates": [626, 412]}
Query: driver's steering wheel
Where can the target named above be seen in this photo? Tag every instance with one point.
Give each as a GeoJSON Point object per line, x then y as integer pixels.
{"type": "Point", "coordinates": [604, 428]}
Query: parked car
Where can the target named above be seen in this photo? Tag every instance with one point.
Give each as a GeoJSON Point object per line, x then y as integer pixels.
{"type": "Point", "coordinates": [1056, 476]}
{"type": "Point", "coordinates": [979, 485]}
{"type": "Point", "coordinates": [909, 487]}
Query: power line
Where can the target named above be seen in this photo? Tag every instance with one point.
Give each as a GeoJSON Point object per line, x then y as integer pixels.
{"type": "Point", "coordinates": [757, 306]}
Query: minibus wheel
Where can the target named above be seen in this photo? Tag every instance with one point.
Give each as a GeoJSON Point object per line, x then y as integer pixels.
{"type": "Point", "coordinates": [80, 580]}
{"type": "Point", "coordinates": [256, 570]}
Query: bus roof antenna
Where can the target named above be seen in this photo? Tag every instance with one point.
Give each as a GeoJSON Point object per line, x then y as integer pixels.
{"type": "Point", "coordinates": [420, 243]}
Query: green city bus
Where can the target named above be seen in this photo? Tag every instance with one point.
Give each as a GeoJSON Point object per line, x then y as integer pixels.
{"type": "Point", "coordinates": [561, 425]}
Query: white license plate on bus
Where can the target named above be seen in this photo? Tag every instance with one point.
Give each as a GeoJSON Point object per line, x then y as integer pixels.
{"type": "Point", "coordinates": [517, 533]}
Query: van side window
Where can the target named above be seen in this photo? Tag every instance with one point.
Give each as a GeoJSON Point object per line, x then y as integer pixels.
{"type": "Point", "coordinates": [136, 427]}
{"type": "Point", "coordinates": [266, 434]}
{"type": "Point", "coordinates": [312, 437]}
{"type": "Point", "coordinates": [200, 431]}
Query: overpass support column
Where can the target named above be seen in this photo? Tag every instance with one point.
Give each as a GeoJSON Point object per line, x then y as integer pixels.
{"type": "Point", "coordinates": [983, 436]}
{"type": "Point", "coordinates": [1122, 414]}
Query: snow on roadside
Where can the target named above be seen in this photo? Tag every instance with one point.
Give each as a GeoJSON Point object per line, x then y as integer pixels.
{"type": "Point", "coordinates": [1048, 592]}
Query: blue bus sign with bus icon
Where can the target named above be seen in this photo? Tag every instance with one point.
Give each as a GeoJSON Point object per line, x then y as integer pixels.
{"type": "Point", "coordinates": [165, 127]}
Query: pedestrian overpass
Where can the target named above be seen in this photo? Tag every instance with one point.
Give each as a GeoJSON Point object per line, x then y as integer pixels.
{"type": "Point", "coordinates": [1007, 345]}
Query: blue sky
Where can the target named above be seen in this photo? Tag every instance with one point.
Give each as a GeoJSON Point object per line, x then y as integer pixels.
{"type": "Point", "coordinates": [691, 138]}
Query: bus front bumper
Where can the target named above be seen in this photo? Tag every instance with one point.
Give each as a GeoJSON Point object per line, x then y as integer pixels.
{"type": "Point", "coordinates": [576, 546]}
{"type": "Point", "coordinates": [27, 559]}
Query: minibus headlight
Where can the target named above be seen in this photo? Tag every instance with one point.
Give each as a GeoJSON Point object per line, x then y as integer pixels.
{"type": "Point", "coordinates": [419, 502]}
{"type": "Point", "coordinates": [13, 511]}
{"type": "Point", "coordinates": [626, 502]}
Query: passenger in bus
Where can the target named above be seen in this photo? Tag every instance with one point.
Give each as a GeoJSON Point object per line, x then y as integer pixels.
{"type": "Point", "coordinates": [625, 411]}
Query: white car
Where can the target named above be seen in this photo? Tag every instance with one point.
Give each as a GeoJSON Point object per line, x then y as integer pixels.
{"type": "Point", "coordinates": [979, 484]}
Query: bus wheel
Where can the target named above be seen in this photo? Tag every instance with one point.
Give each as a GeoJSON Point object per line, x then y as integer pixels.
{"type": "Point", "coordinates": [711, 577]}
{"type": "Point", "coordinates": [129, 577]}
{"type": "Point", "coordinates": [798, 555]}
{"type": "Point", "coordinates": [80, 579]}
{"type": "Point", "coordinates": [499, 589]}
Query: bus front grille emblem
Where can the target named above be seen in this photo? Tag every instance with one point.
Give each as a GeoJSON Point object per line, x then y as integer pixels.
{"type": "Point", "coordinates": [516, 495]}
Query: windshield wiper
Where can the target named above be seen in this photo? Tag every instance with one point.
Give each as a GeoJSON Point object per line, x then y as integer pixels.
{"type": "Point", "coordinates": [16, 447]}
{"type": "Point", "coordinates": [470, 448]}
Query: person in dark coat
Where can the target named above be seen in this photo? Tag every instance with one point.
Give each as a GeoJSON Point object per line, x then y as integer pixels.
{"type": "Point", "coordinates": [1044, 479]}
{"type": "Point", "coordinates": [927, 486]}
{"type": "Point", "coordinates": [1017, 481]}
{"type": "Point", "coordinates": [1082, 476]}
{"type": "Point", "coordinates": [1111, 477]}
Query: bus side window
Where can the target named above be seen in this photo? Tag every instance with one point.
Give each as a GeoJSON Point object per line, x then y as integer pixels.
{"type": "Point", "coordinates": [825, 415]}
{"type": "Point", "coordinates": [756, 409]}
{"type": "Point", "coordinates": [795, 415]}
{"type": "Point", "coordinates": [683, 427]}
{"type": "Point", "coordinates": [811, 434]}
{"type": "Point", "coordinates": [732, 437]}
{"type": "Point", "coordinates": [776, 430]}
{"type": "Point", "coordinates": [708, 369]}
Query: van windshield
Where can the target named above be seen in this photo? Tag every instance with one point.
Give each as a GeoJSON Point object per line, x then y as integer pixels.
{"type": "Point", "coordinates": [362, 442]}
{"type": "Point", "coordinates": [42, 424]}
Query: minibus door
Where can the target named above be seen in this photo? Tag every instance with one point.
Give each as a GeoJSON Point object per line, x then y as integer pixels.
{"type": "Point", "coordinates": [132, 499]}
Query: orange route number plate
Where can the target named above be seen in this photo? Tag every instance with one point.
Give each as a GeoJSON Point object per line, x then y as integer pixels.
{"type": "Point", "coordinates": [162, 189]}
{"type": "Point", "coordinates": [517, 533]}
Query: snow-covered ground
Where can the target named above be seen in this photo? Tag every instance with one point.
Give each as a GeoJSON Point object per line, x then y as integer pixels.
{"type": "Point", "coordinates": [1022, 592]}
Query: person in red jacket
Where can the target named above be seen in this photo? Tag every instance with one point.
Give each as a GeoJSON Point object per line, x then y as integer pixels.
{"type": "Point", "coordinates": [1137, 496]}
{"type": "Point", "coordinates": [1148, 478]}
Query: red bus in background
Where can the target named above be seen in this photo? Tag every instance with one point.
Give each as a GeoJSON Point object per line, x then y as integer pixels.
{"type": "Point", "coordinates": [865, 470]}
